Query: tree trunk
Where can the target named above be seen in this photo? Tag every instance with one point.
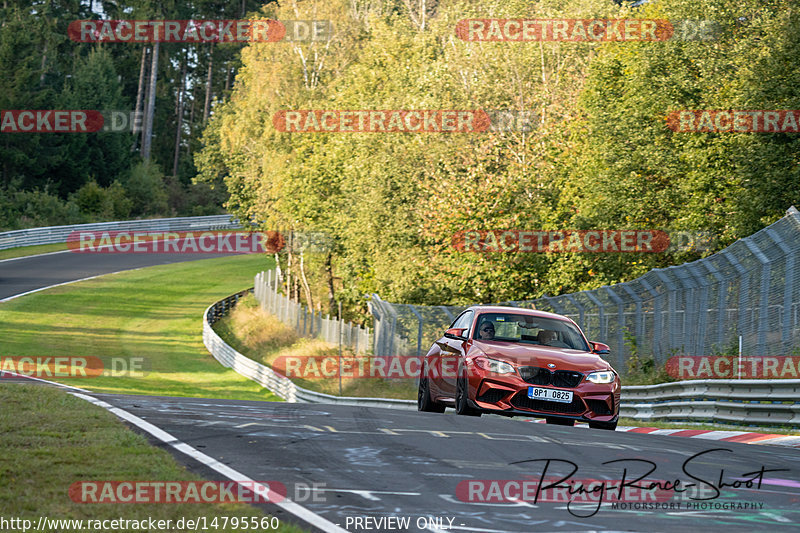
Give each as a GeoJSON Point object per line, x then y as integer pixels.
{"type": "Point", "coordinates": [306, 288]}
{"type": "Point", "coordinates": [146, 99]}
{"type": "Point", "coordinates": [179, 127]}
{"type": "Point", "coordinates": [329, 280]}
{"type": "Point", "coordinates": [191, 126]}
{"type": "Point", "coordinates": [289, 267]}
{"type": "Point", "coordinates": [207, 107]}
{"type": "Point", "coordinates": [137, 112]}
{"type": "Point", "coordinates": [44, 63]}
{"type": "Point", "coordinates": [151, 105]}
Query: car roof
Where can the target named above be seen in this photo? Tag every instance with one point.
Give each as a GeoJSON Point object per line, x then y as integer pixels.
{"type": "Point", "coordinates": [481, 309]}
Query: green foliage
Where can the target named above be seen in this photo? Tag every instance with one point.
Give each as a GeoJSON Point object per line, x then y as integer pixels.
{"type": "Point", "coordinates": [601, 156]}
{"type": "Point", "coordinates": [100, 203]}
{"type": "Point", "coordinates": [146, 190]}
{"type": "Point", "coordinates": [25, 209]}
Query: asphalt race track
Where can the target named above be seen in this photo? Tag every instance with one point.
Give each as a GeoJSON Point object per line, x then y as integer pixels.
{"type": "Point", "coordinates": [345, 462]}
{"type": "Point", "coordinates": [25, 274]}
{"type": "Point", "coordinates": [350, 464]}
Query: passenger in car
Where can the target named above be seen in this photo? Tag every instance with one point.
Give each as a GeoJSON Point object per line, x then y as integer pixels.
{"type": "Point", "coordinates": [548, 337]}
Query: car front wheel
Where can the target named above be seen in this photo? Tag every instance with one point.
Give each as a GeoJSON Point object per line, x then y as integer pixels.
{"type": "Point", "coordinates": [462, 397]}
{"type": "Point", "coordinates": [424, 401]}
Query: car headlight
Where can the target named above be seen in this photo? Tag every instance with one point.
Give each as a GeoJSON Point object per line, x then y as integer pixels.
{"type": "Point", "coordinates": [493, 365]}
{"type": "Point", "coordinates": [606, 376]}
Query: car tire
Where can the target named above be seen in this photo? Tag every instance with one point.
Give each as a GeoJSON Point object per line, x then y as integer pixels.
{"type": "Point", "coordinates": [462, 397]}
{"type": "Point", "coordinates": [559, 421]}
{"type": "Point", "coordinates": [424, 401]}
{"type": "Point", "coordinates": [603, 425]}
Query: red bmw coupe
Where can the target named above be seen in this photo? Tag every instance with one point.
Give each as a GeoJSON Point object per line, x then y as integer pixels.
{"type": "Point", "coordinates": [512, 361]}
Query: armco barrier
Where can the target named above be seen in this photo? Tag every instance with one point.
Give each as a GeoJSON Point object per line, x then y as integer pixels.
{"type": "Point", "coordinates": [727, 401]}
{"type": "Point", "coordinates": [56, 234]}
{"type": "Point", "coordinates": [268, 378]}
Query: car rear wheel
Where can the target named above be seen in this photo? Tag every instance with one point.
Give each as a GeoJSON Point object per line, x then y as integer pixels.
{"type": "Point", "coordinates": [424, 401]}
{"type": "Point", "coordinates": [560, 421]}
{"type": "Point", "coordinates": [462, 397]}
{"type": "Point", "coordinates": [603, 425]}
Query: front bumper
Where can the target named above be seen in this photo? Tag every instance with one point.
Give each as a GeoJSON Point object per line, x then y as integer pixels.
{"type": "Point", "coordinates": [508, 395]}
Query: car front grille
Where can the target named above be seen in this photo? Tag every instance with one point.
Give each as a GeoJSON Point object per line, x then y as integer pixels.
{"type": "Point", "coordinates": [521, 401]}
{"type": "Point", "coordinates": [541, 376]}
{"type": "Point", "coordinates": [492, 395]}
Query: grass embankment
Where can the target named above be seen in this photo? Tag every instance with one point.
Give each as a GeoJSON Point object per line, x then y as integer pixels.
{"type": "Point", "coordinates": [152, 316]}
{"type": "Point", "coordinates": [263, 338]}
{"type": "Point", "coordinates": [23, 251]}
{"type": "Point", "coordinates": [52, 440]}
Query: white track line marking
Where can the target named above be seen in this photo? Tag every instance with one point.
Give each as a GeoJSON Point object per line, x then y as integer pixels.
{"type": "Point", "coordinates": [4, 372]}
{"type": "Point", "coordinates": [287, 505]}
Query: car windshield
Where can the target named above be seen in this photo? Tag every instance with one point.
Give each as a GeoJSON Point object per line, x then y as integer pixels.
{"type": "Point", "coordinates": [511, 327]}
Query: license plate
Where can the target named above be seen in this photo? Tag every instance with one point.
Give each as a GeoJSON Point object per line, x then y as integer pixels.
{"type": "Point", "coordinates": [551, 395]}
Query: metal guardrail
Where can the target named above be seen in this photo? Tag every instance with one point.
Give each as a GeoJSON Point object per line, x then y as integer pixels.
{"type": "Point", "coordinates": [716, 401]}
{"type": "Point", "coordinates": [728, 401]}
{"type": "Point", "coordinates": [57, 234]}
{"type": "Point", "coordinates": [268, 378]}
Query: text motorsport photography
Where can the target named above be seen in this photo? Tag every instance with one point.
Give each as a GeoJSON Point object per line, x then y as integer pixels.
{"type": "Point", "coordinates": [636, 488]}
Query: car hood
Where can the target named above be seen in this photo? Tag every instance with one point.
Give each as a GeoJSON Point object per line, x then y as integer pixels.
{"type": "Point", "coordinates": [537, 355]}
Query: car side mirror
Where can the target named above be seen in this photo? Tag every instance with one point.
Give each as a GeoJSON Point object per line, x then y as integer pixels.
{"type": "Point", "coordinates": [600, 349]}
{"type": "Point", "coordinates": [455, 333]}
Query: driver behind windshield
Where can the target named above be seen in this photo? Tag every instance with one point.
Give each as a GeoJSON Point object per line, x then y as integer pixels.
{"type": "Point", "coordinates": [486, 330]}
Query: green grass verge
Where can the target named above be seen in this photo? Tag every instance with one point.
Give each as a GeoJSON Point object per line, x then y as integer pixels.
{"type": "Point", "coordinates": [52, 439]}
{"type": "Point", "coordinates": [153, 314]}
{"type": "Point", "coordinates": [23, 251]}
